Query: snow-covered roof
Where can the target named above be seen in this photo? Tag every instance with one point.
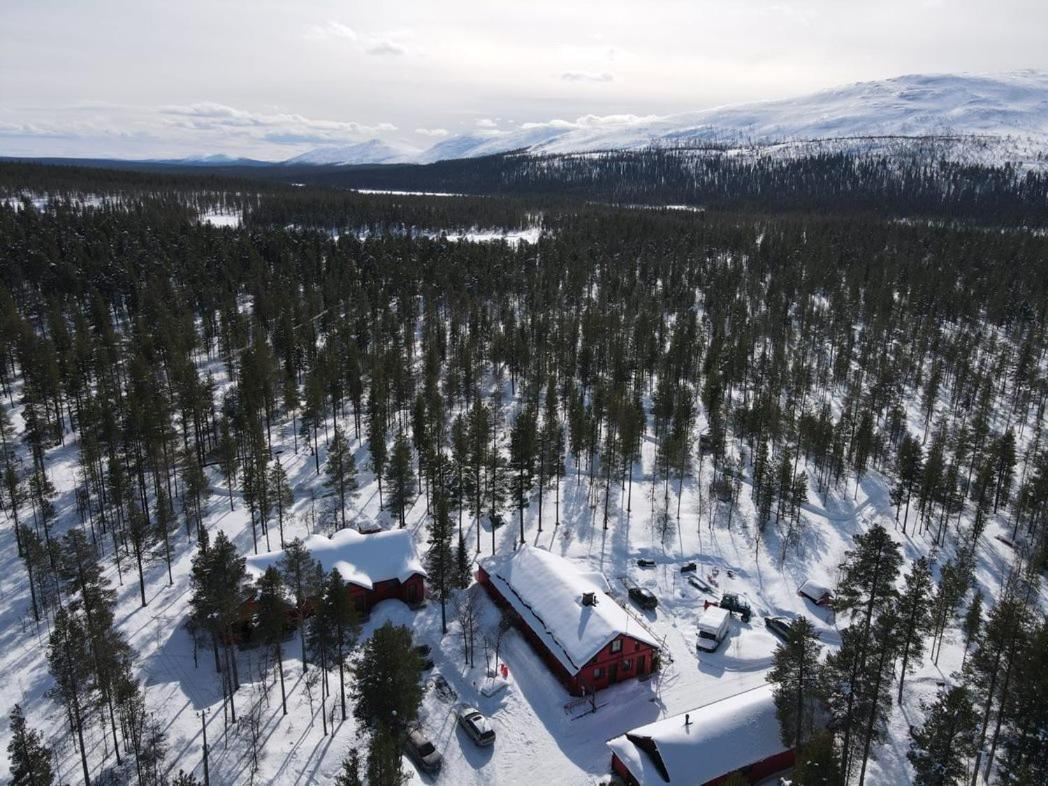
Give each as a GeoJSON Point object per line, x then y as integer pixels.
{"type": "Point", "coordinates": [546, 591]}
{"type": "Point", "coordinates": [713, 619]}
{"type": "Point", "coordinates": [813, 589]}
{"type": "Point", "coordinates": [363, 560]}
{"type": "Point", "coordinates": [722, 737]}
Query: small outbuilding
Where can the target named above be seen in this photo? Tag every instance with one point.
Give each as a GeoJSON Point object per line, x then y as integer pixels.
{"type": "Point", "coordinates": [566, 613]}
{"type": "Point", "coordinates": [705, 746]}
{"type": "Point", "coordinates": [376, 567]}
{"type": "Point", "coordinates": [816, 593]}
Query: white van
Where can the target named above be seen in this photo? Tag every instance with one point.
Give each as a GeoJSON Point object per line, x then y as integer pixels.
{"type": "Point", "coordinates": [712, 628]}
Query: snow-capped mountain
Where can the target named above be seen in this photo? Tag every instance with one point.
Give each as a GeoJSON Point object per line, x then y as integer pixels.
{"type": "Point", "coordinates": [374, 151]}
{"type": "Point", "coordinates": [1003, 116]}
{"type": "Point", "coordinates": [1006, 106]}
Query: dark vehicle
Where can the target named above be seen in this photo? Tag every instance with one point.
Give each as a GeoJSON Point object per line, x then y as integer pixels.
{"type": "Point", "coordinates": [779, 626]}
{"type": "Point", "coordinates": [646, 563]}
{"type": "Point", "coordinates": [736, 603]}
{"type": "Point", "coordinates": [421, 751]}
{"type": "Point", "coordinates": [643, 597]}
{"type": "Point", "coordinates": [476, 726]}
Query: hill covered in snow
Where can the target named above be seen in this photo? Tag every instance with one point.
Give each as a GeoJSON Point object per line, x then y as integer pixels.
{"type": "Point", "coordinates": [373, 151]}
{"type": "Point", "coordinates": [1001, 117]}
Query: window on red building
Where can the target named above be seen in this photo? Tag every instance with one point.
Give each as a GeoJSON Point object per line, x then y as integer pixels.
{"type": "Point", "coordinates": [616, 646]}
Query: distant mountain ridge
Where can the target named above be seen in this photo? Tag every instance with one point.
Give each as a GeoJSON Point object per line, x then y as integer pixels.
{"type": "Point", "coordinates": [985, 118]}
{"type": "Point", "coordinates": [373, 151]}
{"type": "Point", "coordinates": [1006, 108]}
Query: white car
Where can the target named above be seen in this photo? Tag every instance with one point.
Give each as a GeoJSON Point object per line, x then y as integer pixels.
{"type": "Point", "coordinates": [476, 726]}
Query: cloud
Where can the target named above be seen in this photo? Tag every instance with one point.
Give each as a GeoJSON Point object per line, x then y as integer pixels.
{"type": "Point", "coordinates": [385, 48]}
{"type": "Point", "coordinates": [330, 30]}
{"type": "Point", "coordinates": [437, 132]}
{"type": "Point", "coordinates": [486, 122]}
{"type": "Point", "coordinates": [583, 76]}
{"type": "Point", "coordinates": [594, 121]}
{"type": "Point", "coordinates": [370, 44]}
{"type": "Point", "coordinates": [213, 117]}
{"type": "Point", "coordinates": [205, 126]}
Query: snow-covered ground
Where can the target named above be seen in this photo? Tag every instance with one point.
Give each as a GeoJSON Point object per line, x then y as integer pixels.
{"type": "Point", "coordinates": [544, 735]}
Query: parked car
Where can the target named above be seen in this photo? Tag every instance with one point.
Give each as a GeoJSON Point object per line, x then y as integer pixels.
{"type": "Point", "coordinates": [476, 726]}
{"type": "Point", "coordinates": [644, 598]}
{"type": "Point", "coordinates": [780, 626]}
{"type": "Point", "coordinates": [712, 628]}
{"type": "Point", "coordinates": [421, 751]}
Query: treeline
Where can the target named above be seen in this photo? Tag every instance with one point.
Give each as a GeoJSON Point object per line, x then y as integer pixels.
{"type": "Point", "coordinates": [835, 183]}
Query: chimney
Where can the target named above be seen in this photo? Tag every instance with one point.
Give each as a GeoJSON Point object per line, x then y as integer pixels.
{"type": "Point", "coordinates": [589, 598]}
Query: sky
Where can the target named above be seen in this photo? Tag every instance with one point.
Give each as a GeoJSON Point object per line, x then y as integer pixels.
{"type": "Point", "coordinates": [270, 80]}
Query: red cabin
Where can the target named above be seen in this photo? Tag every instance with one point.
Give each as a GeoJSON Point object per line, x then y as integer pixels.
{"type": "Point", "coordinates": [707, 745]}
{"type": "Point", "coordinates": [376, 567]}
{"type": "Point", "coordinates": [584, 636]}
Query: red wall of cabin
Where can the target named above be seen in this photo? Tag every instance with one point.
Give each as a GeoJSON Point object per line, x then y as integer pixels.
{"type": "Point", "coordinates": [639, 654]}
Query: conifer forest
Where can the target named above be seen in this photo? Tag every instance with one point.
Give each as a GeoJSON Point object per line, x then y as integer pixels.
{"type": "Point", "coordinates": [725, 363]}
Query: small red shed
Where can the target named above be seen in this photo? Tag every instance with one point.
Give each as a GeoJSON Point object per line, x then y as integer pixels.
{"type": "Point", "coordinates": [585, 637]}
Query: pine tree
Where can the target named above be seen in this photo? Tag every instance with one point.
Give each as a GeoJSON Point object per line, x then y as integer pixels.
{"type": "Point", "coordinates": [349, 775]}
{"type": "Point", "coordinates": [283, 496]}
{"type": "Point", "coordinates": [972, 623]}
{"type": "Point", "coordinates": [914, 618]}
{"type": "Point", "coordinates": [141, 536]}
{"type": "Point", "coordinates": [218, 580]}
{"type": "Point", "coordinates": [797, 676]}
{"type": "Point", "coordinates": [299, 570]}
{"type": "Point", "coordinates": [341, 470]}
{"type": "Point", "coordinates": [388, 690]}
{"type": "Point", "coordinates": [70, 664]}
{"type": "Point", "coordinates": [28, 755]}
{"type": "Point", "coordinates": [440, 562]}
{"type": "Point", "coordinates": [867, 585]}
{"type": "Point", "coordinates": [523, 451]}
{"type": "Point", "coordinates": [479, 441]}
{"type": "Point", "coordinates": [817, 764]}
{"type": "Point", "coordinates": [940, 749]}
{"type": "Point", "coordinates": [340, 613]}
{"type": "Point", "coordinates": [910, 464]}
{"type": "Point", "coordinates": [1024, 760]}
{"type": "Point", "coordinates": [400, 478]}
{"type": "Point", "coordinates": [271, 613]}
{"type": "Point", "coordinates": [384, 757]}
{"type": "Point", "coordinates": [377, 441]}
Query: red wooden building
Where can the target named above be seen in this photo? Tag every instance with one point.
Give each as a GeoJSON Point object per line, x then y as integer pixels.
{"type": "Point", "coordinates": [585, 637]}
{"type": "Point", "coordinates": [376, 567]}
{"type": "Point", "coordinates": [705, 746]}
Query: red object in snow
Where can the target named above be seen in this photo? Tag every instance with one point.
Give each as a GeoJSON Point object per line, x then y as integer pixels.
{"type": "Point", "coordinates": [505, 670]}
